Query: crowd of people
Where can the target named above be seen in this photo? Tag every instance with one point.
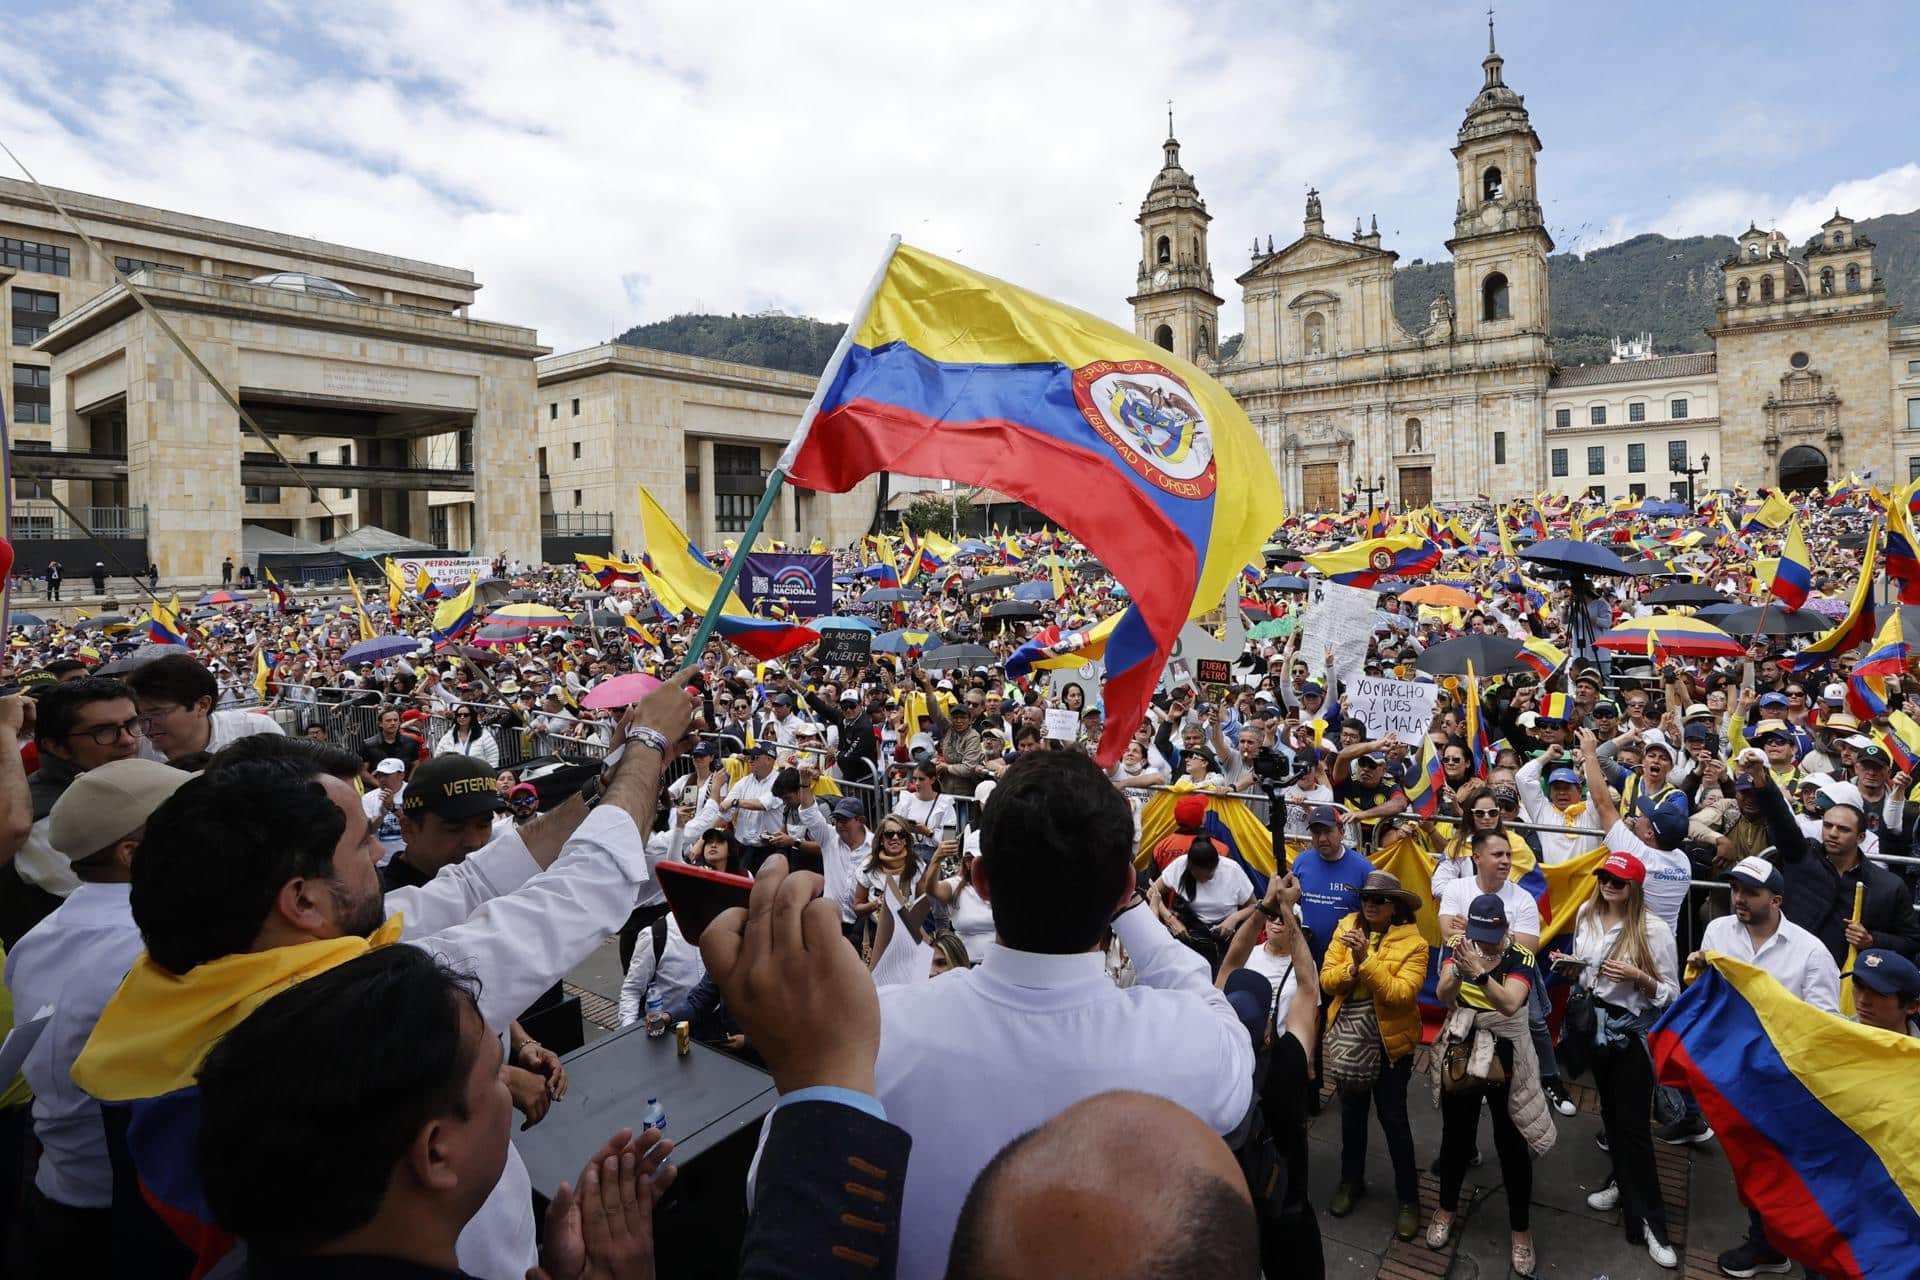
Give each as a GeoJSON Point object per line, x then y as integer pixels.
{"type": "Point", "coordinates": [1007, 987]}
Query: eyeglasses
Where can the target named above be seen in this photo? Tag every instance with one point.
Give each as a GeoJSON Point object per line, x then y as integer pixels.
{"type": "Point", "coordinates": [1478, 812]}
{"type": "Point", "coordinates": [108, 734]}
{"type": "Point", "coordinates": [1796, 693]}
{"type": "Point", "coordinates": [1636, 706]}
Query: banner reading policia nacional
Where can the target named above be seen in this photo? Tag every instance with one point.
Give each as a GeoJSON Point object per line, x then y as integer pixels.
{"type": "Point", "coordinates": [801, 584]}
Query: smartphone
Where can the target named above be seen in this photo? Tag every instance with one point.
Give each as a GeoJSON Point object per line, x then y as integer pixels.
{"type": "Point", "coordinates": [696, 895]}
{"type": "Point", "coordinates": [1569, 962]}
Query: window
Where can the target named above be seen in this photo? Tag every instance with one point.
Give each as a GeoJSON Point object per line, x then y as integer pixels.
{"type": "Point", "coordinates": [1677, 409]}
{"type": "Point", "coordinates": [32, 395]}
{"type": "Point", "coordinates": [1162, 338]}
{"type": "Point", "coordinates": [1799, 359]}
{"type": "Point", "coordinates": [26, 255]}
{"type": "Point", "coordinates": [1913, 368]}
{"type": "Point", "coordinates": [1766, 288]}
{"type": "Point", "coordinates": [1676, 455]}
{"type": "Point", "coordinates": [1637, 490]}
{"type": "Point", "coordinates": [1913, 415]}
{"type": "Point", "coordinates": [576, 450]}
{"type": "Point", "coordinates": [34, 311]}
{"type": "Point", "coordinates": [1559, 462]}
{"type": "Point", "coordinates": [1597, 492]}
{"type": "Point", "coordinates": [346, 455]}
{"type": "Point", "coordinates": [1637, 411]}
{"type": "Point", "coordinates": [576, 406]}
{"type": "Point", "coordinates": [313, 457]}
{"type": "Point", "coordinates": [576, 499]}
{"type": "Point", "coordinates": [1636, 457]}
{"type": "Point", "coordinates": [736, 460]}
{"type": "Point", "coordinates": [1563, 417]}
{"type": "Point", "coordinates": [1853, 277]}
{"type": "Point", "coordinates": [1490, 184]}
{"type": "Point", "coordinates": [263, 493]}
{"type": "Point", "coordinates": [553, 411]}
{"type": "Point", "coordinates": [1499, 448]}
{"type": "Point", "coordinates": [32, 488]}
{"type": "Point", "coordinates": [130, 265]}
{"type": "Point", "coordinates": [1493, 298]}
{"type": "Point", "coordinates": [1677, 491]}
{"type": "Point", "coordinates": [465, 449]}
{"type": "Point", "coordinates": [732, 511]}
{"type": "Point", "coordinates": [1913, 468]}
{"type": "Point", "coordinates": [1596, 460]}
{"type": "Point", "coordinates": [1597, 415]}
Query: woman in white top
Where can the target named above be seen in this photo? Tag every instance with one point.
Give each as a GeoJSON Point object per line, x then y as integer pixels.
{"type": "Point", "coordinates": [1307, 790]}
{"type": "Point", "coordinates": [1132, 775]}
{"type": "Point", "coordinates": [968, 913]}
{"type": "Point", "coordinates": [1627, 958]}
{"type": "Point", "coordinates": [1203, 770]}
{"type": "Point", "coordinates": [467, 737]}
{"type": "Point", "coordinates": [1210, 896]}
{"type": "Point", "coordinates": [922, 806]}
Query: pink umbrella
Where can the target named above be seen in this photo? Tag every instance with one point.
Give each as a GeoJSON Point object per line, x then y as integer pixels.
{"type": "Point", "coordinates": [621, 691]}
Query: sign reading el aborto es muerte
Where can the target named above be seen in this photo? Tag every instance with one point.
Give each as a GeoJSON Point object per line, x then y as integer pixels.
{"type": "Point", "coordinates": [801, 584]}
{"type": "Point", "coordinates": [845, 647]}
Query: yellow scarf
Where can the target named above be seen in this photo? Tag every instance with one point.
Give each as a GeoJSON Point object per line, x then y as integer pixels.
{"type": "Point", "coordinates": [158, 1028]}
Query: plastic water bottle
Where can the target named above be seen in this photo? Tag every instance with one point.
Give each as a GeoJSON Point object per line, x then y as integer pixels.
{"type": "Point", "coordinates": [656, 1013]}
{"type": "Point", "coordinates": [656, 1116]}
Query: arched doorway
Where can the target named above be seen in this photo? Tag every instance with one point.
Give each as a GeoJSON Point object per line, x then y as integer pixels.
{"type": "Point", "coordinates": [1803, 467]}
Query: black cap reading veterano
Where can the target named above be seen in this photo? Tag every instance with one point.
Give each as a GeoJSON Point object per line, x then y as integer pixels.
{"type": "Point", "coordinates": [453, 786]}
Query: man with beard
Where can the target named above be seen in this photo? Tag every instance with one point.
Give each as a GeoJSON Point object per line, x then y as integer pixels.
{"type": "Point", "coordinates": [261, 873]}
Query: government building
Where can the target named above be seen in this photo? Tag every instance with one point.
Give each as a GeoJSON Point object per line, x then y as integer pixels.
{"type": "Point", "coordinates": [386, 413]}
{"type": "Point", "coordinates": [1808, 378]}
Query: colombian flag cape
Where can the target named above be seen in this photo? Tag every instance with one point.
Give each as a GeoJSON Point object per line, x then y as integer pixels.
{"type": "Point", "coordinates": [1140, 455]}
{"type": "Point", "coordinates": [1815, 1113]}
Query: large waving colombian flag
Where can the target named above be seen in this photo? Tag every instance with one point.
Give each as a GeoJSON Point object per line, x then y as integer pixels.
{"type": "Point", "coordinates": [1815, 1113]}
{"type": "Point", "coordinates": [1137, 453]}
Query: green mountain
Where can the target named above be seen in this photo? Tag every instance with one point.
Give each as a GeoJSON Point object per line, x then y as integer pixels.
{"type": "Point", "coordinates": [1647, 284]}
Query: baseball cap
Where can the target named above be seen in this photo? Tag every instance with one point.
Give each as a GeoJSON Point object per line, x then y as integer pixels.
{"type": "Point", "coordinates": [1771, 729]}
{"type": "Point", "coordinates": [1773, 699]}
{"type": "Point", "coordinates": [1323, 815]}
{"type": "Point", "coordinates": [1588, 675]}
{"type": "Point", "coordinates": [105, 805]}
{"type": "Point", "coordinates": [849, 694]}
{"type": "Point", "coordinates": [1371, 757]}
{"type": "Point", "coordinates": [781, 699]}
{"type": "Point", "coordinates": [1669, 820]}
{"type": "Point", "coordinates": [1487, 918]}
{"type": "Point", "coordinates": [775, 668]}
{"type": "Point", "coordinates": [1741, 782]}
{"type": "Point", "coordinates": [1874, 753]}
{"type": "Point", "coordinates": [761, 749]}
{"type": "Point", "coordinates": [703, 748]}
{"type": "Point", "coordinates": [1859, 742]}
{"type": "Point", "coordinates": [1311, 687]}
{"type": "Point", "coordinates": [1844, 793]}
{"type": "Point", "coordinates": [1563, 775]}
{"type": "Point", "coordinates": [522, 792]}
{"type": "Point", "coordinates": [1834, 695]}
{"type": "Point", "coordinates": [454, 787]}
{"type": "Point", "coordinates": [1624, 866]}
{"type": "Point", "coordinates": [1653, 738]}
{"type": "Point", "coordinates": [1696, 732]}
{"type": "Point", "coordinates": [1888, 972]}
{"type": "Point", "coordinates": [392, 764]}
{"type": "Point", "coordinates": [1251, 996]}
{"type": "Point", "coordinates": [1758, 873]}
{"type": "Point", "coordinates": [848, 807]}
{"type": "Point", "coordinates": [1605, 707]}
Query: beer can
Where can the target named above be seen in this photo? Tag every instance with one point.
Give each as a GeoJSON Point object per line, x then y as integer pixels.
{"type": "Point", "coordinates": [682, 1036]}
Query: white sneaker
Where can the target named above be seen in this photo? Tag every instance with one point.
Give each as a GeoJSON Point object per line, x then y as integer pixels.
{"type": "Point", "coordinates": [1663, 1254]}
{"type": "Point", "coordinates": [1606, 1199]}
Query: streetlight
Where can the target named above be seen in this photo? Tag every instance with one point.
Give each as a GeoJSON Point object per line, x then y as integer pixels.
{"type": "Point", "coordinates": [1685, 467]}
{"type": "Point", "coordinates": [1379, 483]}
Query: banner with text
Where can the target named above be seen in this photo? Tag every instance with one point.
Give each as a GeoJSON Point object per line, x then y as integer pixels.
{"type": "Point", "coordinates": [1399, 707]}
{"type": "Point", "coordinates": [446, 571]}
{"type": "Point", "coordinates": [1339, 618]}
{"type": "Point", "coordinates": [801, 584]}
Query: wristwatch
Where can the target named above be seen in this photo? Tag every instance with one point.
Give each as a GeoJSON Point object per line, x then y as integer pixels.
{"type": "Point", "coordinates": [1271, 913]}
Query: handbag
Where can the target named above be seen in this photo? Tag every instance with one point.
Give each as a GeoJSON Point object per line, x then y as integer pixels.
{"type": "Point", "coordinates": [1351, 1053]}
{"type": "Point", "coordinates": [1456, 1071]}
{"type": "Point", "coordinates": [1577, 1026]}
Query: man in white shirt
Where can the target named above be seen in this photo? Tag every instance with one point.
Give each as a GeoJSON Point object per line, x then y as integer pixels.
{"type": "Point", "coordinates": [750, 804]}
{"type": "Point", "coordinates": [664, 960]}
{"type": "Point", "coordinates": [1758, 934]}
{"type": "Point", "coordinates": [1556, 803]}
{"type": "Point", "coordinates": [176, 697]}
{"type": "Point", "coordinates": [845, 849]}
{"type": "Point", "coordinates": [74, 961]}
{"type": "Point", "coordinates": [980, 1056]}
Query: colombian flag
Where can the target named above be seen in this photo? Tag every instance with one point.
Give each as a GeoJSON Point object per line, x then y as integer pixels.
{"type": "Point", "coordinates": [606, 572]}
{"type": "Point", "coordinates": [1793, 571]}
{"type": "Point", "coordinates": [1771, 514]}
{"type": "Point", "coordinates": [764, 638]}
{"type": "Point", "coordinates": [882, 573]}
{"type": "Point", "coordinates": [274, 589]}
{"type": "Point", "coordinates": [1050, 644]}
{"type": "Point", "coordinates": [1144, 458]}
{"type": "Point", "coordinates": [1365, 563]}
{"type": "Point", "coordinates": [1856, 627]}
{"type": "Point", "coordinates": [677, 562]}
{"type": "Point", "coordinates": [1423, 795]}
{"type": "Point", "coordinates": [1903, 550]}
{"type": "Point", "coordinates": [637, 633]}
{"type": "Point", "coordinates": [1814, 1112]}
{"type": "Point", "coordinates": [162, 624]}
{"type": "Point", "coordinates": [1541, 657]}
{"type": "Point", "coordinates": [456, 615]}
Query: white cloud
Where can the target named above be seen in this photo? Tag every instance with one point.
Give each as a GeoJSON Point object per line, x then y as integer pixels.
{"type": "Point", "coordinates": [594, 164]}
{"type": "Point", "coordinates": [1726, 211]}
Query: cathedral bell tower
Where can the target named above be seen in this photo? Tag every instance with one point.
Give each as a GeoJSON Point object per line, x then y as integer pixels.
{"type": "Point", "coordinates": [1174, 304]}
{"type": "Point", "coordinates": [1500, 242]}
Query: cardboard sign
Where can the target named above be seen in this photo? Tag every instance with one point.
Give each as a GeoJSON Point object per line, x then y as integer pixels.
{"type": "Point", "coordinates": [1340, 618]}
{"type": "Point", "coordinates": [845, 646]}
{"type": "Point", "coordinates": [1213, 670]}
{"type": "Point", "coordinates": [1062, 725]}
{"type": "Point", "coordinates": [1400, 707]}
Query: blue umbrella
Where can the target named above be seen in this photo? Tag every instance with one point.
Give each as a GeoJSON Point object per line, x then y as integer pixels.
{"type": "Point", "coordinates": [845, 624]}
{"type": "Point", "coordinates": [1565, 556]}
{"type": "Point", "coordinates": [842, 579]}
{"type": "Point", "coordinates": [1284, 582]}
{"type": "Point", "coordinates": [22, 619]}
{"type": "Point", "coordinates": [904, 641]}
{"type": "Point", "coordinates": [1033, 591]}
{"type": "Point", "coordinates": [381, 648]}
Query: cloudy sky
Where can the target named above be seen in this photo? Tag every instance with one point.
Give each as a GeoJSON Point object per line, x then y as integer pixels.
{"type": "Point", "coordinates": [602, 164]}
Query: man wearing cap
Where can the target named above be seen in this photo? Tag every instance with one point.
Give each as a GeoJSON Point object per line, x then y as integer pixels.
{"type": "Point", "coordinates": [1658, 828]}
{"type": "Point", "coordinates": [446, 813]}
{"type": "Point", "coordinates": [961, 764]}
{"type": "Point", "coordinates": [845, 848]}
{"type": "Point", "coordinates": [73, 961]}
{"type": "Point", "coordinates": [781, 724]}
{"type": "Point", "coordinates": [1558, 803]}
{"type": "Point", "coordinates": [859, 744]}
{"type": "Point", "coordinates": [1330, 876]}
{"type": "Point", "coordinates": [749, 803]}
{"type": "Point", "coordinates": [1757, 933]}
{"type": "Point", "coordinates": [382, 805]}
{"type": "Point", "coordinates": [1883, 794]}
{"type": "Point", "coordinates": [1361, 787]}
{"type": "Point", "coordinates": [1886, 991]}
{"type": "Point", "coordinates": [1777, 742]}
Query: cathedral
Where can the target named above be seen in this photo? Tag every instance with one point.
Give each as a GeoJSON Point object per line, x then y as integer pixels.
{"type": "Point", "coordinates": [1347, 400]}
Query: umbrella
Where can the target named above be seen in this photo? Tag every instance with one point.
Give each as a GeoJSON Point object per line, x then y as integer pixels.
{"type": "Point", "coordinates": [1089, 568]}
{"type": "Point", "coordinates": [1436, 593]}
{"type": "Point", "coordinates": [1033, 591]}
{"type": "Point", "coordinates": [22, 619]}
{"type": "Point", "coordinates": [100, 623]}
{"type": "Point", "coordinates": [599, 618]}
{"type": "Point", "coordinates": [1747, 621]}
{"type": "Point", "coordinates": [992, 582]}
{"type": "Point", "coordinates": [1284, 582]}
{"type": "Point", "coordinates": [1671, 633]}
{"type": "Point", "coordinates": [846, 624]}
{"type": "Point", "coordinates": [1647, 567]}
{"type": "Point", "coordinates": [380, 648]}
{"type": "Point", "coordinates": [890, 595]}
{"type": "Point", "coordinates": [1273, 627]}
{"type": "Point", "coordinates": [1490, 656]}
{"type": "Point", "coordinates": [621, 691]}
{"type": "Point", "coordinates": [1565, 556]}
{"type": "Point", "coordinates": [139, 658]}
{"type": "Point", "coordinates": [523, 595]}
{"type": "Point", "coordinates": [843, 580]}
{"type": "Point", "coordinates": [221, 598]}
{"type": "Point", "coordinates": [958, 655]}
{"type": "Point", "coordinates": [528, 615]}
{"type": "Point", "coordinates": [490, 591]}
{"type": "Point", "coordinates": [1693, 593]}
{"type": "Point", "coordinates": [1015, 609]}
{"type": "Point", "coordinates": [500, 636]}
{"type": "Point", "coordinates": [903, 641]}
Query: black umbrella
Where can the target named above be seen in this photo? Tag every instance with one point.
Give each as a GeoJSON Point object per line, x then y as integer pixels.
{"type": "Point", "coordinates": [891, 595]}
{"type": "Point", "coordinates": [523, 595]}
{"type": "Point", "coordinates": [104, 620]}
{"type": "Point", "coordinates": [1694, 593]}
{"type": "Point", "coordinates": [1089, 568]}
{"type": "Point", "coordinates": [1565, 556]}
{"type": "Point", "coordinates": [1776, 622]}
{"type": "Point", "coordinates": [992, 582]}
{"type": "Point", "coordinates": [958, 655]}
{"type": "Point", "coordinates": [1851, 541]}
{"type": "Point", "coordinates": [1015, 609]}
{"type": "Point", "coordinates": [599, 618]}
{"type": "Point", "coordinates": [139, 658]}
{"type": "Point", "coordinates": [1490, 655]}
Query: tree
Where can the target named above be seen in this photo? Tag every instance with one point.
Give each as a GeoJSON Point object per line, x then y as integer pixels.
{"type": "Point", "coordinates": [937, 514]}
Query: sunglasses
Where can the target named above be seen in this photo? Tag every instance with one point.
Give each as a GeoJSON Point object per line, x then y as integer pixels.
{"type": "Point", "coordinates": [1375, 900]}
{"type": "Point", "coordinates": [1484, 813]}
{"type": "Point", "coordinates": [893, 835]}
{"type": "Point", "coordinates": [1609, 882]}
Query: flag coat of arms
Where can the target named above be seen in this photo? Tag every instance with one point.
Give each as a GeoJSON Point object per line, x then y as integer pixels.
{"type": "Point", "coordinates": [1141, 456]}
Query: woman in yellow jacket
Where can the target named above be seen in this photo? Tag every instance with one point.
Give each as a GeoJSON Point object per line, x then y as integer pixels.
{"type": "Point", "coordinates": [1378, 955]}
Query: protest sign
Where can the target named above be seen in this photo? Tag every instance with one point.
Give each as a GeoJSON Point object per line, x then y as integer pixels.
{"type": "Point", "coordinates": [1399, 707]}
{"type": "Point", "coordinates": [445, 571]}
{"type": "Point", "coordinates": [801, 584]}
{"type": "Point", "coordinates": [1062, 725]}
{"type": "Point", "coordinates": [845, 646]}
{"type": "Point", "coordinates": [1340, 618]}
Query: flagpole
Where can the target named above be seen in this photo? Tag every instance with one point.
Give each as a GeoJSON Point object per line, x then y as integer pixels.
{"type": "Point", "coordinates": [778, 476]}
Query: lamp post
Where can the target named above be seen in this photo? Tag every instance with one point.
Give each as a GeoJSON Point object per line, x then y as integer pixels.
{"type": "Point", "coordinates": [1379, 483]}
{"type": "Point", "coordinates": [1686, 468]}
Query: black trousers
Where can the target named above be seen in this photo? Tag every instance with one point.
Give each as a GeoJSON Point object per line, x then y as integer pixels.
{"type": "Point", "coordinates": [1388, 1099]}
{"type": "Point", "coordinates": [1460, 1130]}
{"type": "Point", "coordinates": [60, 1240]}
{"type": "Point", "coordinates": [1625, 1080]}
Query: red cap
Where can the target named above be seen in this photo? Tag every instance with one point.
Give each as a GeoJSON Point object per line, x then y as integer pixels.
{"type": "Point", "coordinates": [1624, 866]}
{"type": "Point", "coordinates": [1190, 810]}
